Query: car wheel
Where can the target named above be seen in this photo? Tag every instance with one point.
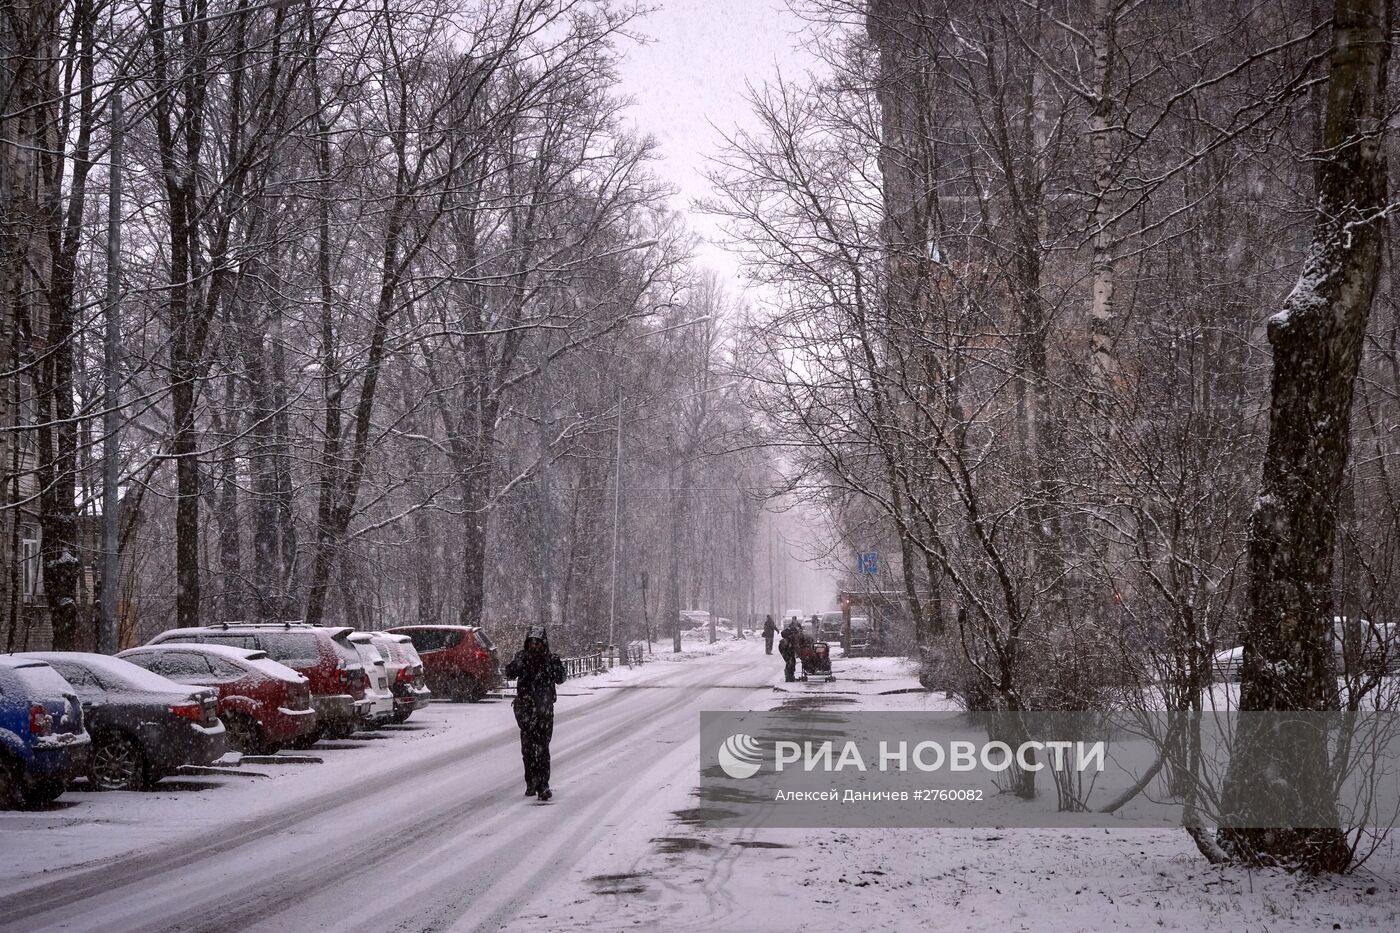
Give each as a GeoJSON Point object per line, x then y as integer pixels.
{"type": "Point", "coordinates": [400, 717]}
{"type": "Point", "coordinates": [308, 740]}
{"type": "Point", "coordinates": [9, 786]}
{"type": "Point", "coordinates": [342, 730]}
{"type": "Point", "coordinates": [116, 762]}
{"type": "Point", "coordinates": [244, 734]}
{"type": "Point", "coordinates": [42, 793]}
{"type": "Point", "coordinates": [467, 690]}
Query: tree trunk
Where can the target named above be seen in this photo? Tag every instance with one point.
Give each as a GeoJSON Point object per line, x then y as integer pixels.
{"type": "Point", "coordinates": [473, 547]}
{"type": "Point", "coordinates": [1317, 343]}
{"type": "Point", "coordinates": [63, 209]}
{"type": "Point", "coordinates": [1102, 312]}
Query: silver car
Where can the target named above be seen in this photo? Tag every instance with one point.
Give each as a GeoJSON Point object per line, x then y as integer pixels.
{"type": "Point", "coordinates": [407, 681]}
{"type": "Point", "coordinates": [380, 707]}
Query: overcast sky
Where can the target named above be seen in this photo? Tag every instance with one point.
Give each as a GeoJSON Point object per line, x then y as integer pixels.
{"type": "Point", "coordinates": [689, 86]}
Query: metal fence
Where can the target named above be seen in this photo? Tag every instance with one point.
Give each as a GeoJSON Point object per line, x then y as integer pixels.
{"type": "Point", "coordinates": [594, 663]}
{"type": "Point", "coordinates": [603, 658]}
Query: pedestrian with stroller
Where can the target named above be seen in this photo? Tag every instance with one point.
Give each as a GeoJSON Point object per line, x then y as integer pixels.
{"type": "Point", "coordinates": [787, 647]}
{"type": "Point", "coordinates": [536, 671]}
{"type": "Point", "coordinates": [770, 628]}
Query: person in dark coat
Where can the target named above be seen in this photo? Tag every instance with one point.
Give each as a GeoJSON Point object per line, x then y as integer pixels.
{"type": "Point", "coordinates": [787, 647]}
{"type": "Point", "coordinates": [770, 628]}
{"type": "Point", "coordinates": [536, 671]}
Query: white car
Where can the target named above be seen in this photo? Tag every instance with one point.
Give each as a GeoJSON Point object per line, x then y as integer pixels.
{"type": "Point", "coordinates": [380, 698]}
{"type": "Point", "coordinates": [407, 681]}
{"type": "Point", "coordinates": [694, 619]}
{"type": "Point", "coordinates": [1377, 649]}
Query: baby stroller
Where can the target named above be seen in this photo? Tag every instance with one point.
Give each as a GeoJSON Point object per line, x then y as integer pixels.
{"type": "Point", "coordinates": [816, 660]}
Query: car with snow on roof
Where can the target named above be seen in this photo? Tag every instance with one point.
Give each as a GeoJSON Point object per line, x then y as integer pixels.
{"type": "Point", "coordinates": [322, 654]}
{"type": "Point", "coordinates": [43, 744]}
{"type": "Point", "coordinates": [264, 705]}
{"type": "Point", "coordinates": [143, 726]}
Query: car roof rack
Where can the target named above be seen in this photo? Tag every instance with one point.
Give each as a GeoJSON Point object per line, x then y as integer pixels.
{"type": "Point", "coordinates": [286, 624]}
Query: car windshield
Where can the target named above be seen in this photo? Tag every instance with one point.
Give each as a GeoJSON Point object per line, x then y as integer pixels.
{"type": "Point", "coordinates": [346, 651]}
{"type": "Point", "coordinates": [114, 673]}
{"type": "Point", "coordinates": [41, 680]}
{"type": "Point", "coordinates": [291, 648]}
{"type": "Point", "coordinates": [392, 650]}
{"type": "Point", "coordinates": [434, 639]}
{"type": "Point", "coordinates": [369, 655]}
{"type": "Point", "coordinates": [482, 640]}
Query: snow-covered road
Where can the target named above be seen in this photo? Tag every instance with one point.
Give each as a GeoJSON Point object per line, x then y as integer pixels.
{"type": "Point", "coordinates": [425, 828]}
{"type": "Point", "coordinates": [422, 829]}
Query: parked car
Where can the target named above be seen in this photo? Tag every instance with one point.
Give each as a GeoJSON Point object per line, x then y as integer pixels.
{"type": "Point", "coordinates": [324, 656]}
{"type": "Point", "coordinates": [406, 678]}
{"type": "Point", "coordinates": [43, 744]}
{"type": "Point", "coordinates": [460, 660]}
{"type": "Point", "coordinates": [862, 635]}
{"type": "Point", "coordinates": [381, 699]}
{"type": "Point", "coordinates": [264, 705]}
{"type": "Point", "coordinates": [692, 619]}
{"type": "Point", "coordinates": [830, 626]}
{"type": "Point", "coordinates": [1376, 648]}
{"type": "Point", "coordinates": [143, 726]}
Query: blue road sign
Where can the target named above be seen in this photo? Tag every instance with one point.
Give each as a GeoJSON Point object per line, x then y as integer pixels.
{"type": "Point", "coordinates": [868, 562]}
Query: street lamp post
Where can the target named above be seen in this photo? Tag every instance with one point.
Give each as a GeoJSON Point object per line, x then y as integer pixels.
{"type": "Point", "coordinates": [108, 641]}
{"type": "Point", "coordinates": [617, 520]}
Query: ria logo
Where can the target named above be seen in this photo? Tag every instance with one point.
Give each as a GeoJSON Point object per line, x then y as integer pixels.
{"type": "Point", "coordinates": [740, 756]}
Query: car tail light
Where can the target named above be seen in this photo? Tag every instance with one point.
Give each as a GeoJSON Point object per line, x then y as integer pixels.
{"type": "Point", "coordinates": [40, 722]}
{"type": "Point", "coordinates": [405, 675]}
{"type": "Point", "coordinates": [194, 712]}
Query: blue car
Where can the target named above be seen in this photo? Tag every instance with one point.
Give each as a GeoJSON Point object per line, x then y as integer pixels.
{"type": "Point", "coordinates": [42, 741]}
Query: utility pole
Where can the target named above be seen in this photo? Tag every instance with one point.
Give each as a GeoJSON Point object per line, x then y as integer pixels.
{"type": "Point", "coordinates": [544, 572]}
{"type": "Point", "coordinates": [111, 397]}
{"type": "Point", "coordinates": [783, 567]}
{"type": "Point", "coordinates": [646, 619]}
{"type": "Point", "coordinates": [617, 515]}
{"type": "Point", "coordinates": [772, 586]}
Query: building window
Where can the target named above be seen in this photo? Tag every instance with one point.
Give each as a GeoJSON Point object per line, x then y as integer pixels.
{"type": "Point", "coordinates": [30, 562]}
{"type": "Point", "coordinates": [28, 420]}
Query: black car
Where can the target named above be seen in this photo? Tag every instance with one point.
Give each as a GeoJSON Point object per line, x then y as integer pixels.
{"type": "Point", "coordinates": [143, 726]}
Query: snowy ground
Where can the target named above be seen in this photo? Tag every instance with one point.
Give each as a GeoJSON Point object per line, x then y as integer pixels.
{"type": "Point", "coordinates": [423, 827]}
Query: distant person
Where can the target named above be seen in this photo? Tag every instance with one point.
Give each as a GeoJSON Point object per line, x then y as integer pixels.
{"type": "Point", "coordinates": [770, 628]}
{"type": "Point", "coordinates": [535, 671]}
{"type": "Point", "coordinates": [787, 647]}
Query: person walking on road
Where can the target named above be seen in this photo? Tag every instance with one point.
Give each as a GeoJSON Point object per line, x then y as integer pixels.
{"type": "Point", "coordinates": [770, 628]}
{"type": "Point", "coordinates": [787, 647]}
{"type": "Point", "coordinates": [536, 671]}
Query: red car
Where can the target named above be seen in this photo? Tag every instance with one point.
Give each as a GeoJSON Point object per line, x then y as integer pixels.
{"type": "Point", "coordinates": [264, 705]}
{"type": "Point", "coordinates": [460, 660]}
{"type": "Point", "coordinates": [324, 656]}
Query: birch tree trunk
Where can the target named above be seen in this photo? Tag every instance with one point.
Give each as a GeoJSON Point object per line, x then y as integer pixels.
{"type": "Point", "coordinates": [1102, 312]}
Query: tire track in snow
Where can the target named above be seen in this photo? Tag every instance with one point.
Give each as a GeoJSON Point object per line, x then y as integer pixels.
{"type": "Point", "coordinates": [297, 890]}
{"type": "Point", "coordinates": [93, 893]}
